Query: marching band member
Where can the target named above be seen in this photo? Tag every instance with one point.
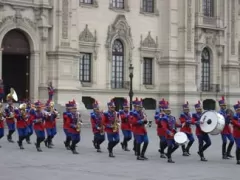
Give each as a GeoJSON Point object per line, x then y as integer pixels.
{"type": "Point", "coordinates": [9, 114]}
{"type": "Point", "coordinates": [1, 122]}
{"type": "Point", "coordinates": [160, 131]}
{"type": "Point", "coordinates": [30, 112]}
{"type": "Point", "coordinates": [50, 91]}
{"type": "Point", "coordinates": [169, 125]}
{"type": "Point", "coordinates": [202, 136]}
{"type": "Point", "coordinates": [132, 126]}
{"type": "Point", "coordinates": [66, 125]}
{"type": "Point", "coordinates": [38, 120]}
{"type": "Point", "coordinates": [186, 121]}
{"type": "Point", "coordinates": [97, 126]}
{"type": "Point", "coordinates": [110, 122]}
{"type": "Point", "coordinates": [75, 125]}
{"type": "Point", "coordinates": [125, 125]}
{"type": "Point", "coordinates": [22, 126]}
{"type": "Point", "coordinates": [226, 133]}
{"type": "Point", "coordinates": [50, 116]}
{"type": "Point", "coordinates": [138, 121]}
{"type": "Point", "coordinates": [236, 130]}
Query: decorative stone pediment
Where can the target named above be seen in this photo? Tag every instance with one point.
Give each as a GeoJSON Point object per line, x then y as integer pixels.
{"type": "Point", "coordinates": [149, 48]}
{"type": "Point", "coordinates": [88, 42]}
{"type": "Point", "coordinates": [87, 36]}
{"type": "Point", "coordinates": [149, 42]}
{"type": "Point", "coordinates": [17, 20]}
{"type": "Point", "coordinates": [120, 30]}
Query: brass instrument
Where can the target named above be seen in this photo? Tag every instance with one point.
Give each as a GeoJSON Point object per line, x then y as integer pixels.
{"type": "Point", "coordinates": [146, 118]}
{"type": "Point", "coordinates": [115, 123]}
{"type": "Point", "coordinates": [101, 124]}
{"type": "Point", "coordinates": [12, 95]}
{"type": "Point", "coordinates": [79, 121]}
{"type": "Point", "coordinates": [23, 112]}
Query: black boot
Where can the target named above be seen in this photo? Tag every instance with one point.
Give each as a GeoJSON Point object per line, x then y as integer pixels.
{"type": "Point", "coordinates": [110, 149]}
{"type": "Point", "coordinates": [135, 147]}
{"type": "Point", "coordinates": [9, 136]}
{"type": "Point", "coordinates": [138, 152]}
{"type": "Point", "coordinates": [28, 139]}
{"type": "Point", "coordinates": [190, 143]}
{"type": "Point", "coordinates": [73, 147]}
{"type": "Point", "coordinates": [184, 150]}
{"type": "Point", "coordinates": [49, 142]}
{"type": "Point", "coordinates": [20, 139]}
{"type": "Point", "coordinates": [163, 145]}
{"type": "Point", "coordinates": [201, 154]}
{"type": "Point", "coordinates": [169, 154]}
{"type": "Point", "coordinates": [238, 155]}
{"type": "Point", "coordinates": [126, 145]}
{"type": "Point", "coordinates": [229, 149]}
{"type": "Point", "coordinates": [224, 155]}
{"type": "Point", "coordinates": [67, 143]}
{"type": "Point", "coordinates": [145, 145]}
{"type": "Point", "coordinates": [37, 144]}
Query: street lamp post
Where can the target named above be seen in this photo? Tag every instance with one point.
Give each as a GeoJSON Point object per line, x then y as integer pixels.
{"type": "Point", "coordinates": [131, 85]}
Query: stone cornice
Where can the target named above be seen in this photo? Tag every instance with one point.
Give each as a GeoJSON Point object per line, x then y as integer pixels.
{"type": "Point", "coordinates": [25, 4]}
{"type": "Point", "coordinates": [231, 66]}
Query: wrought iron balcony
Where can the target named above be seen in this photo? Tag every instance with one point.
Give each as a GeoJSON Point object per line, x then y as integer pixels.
{"type": "Point", "coordinates": [208, 22]}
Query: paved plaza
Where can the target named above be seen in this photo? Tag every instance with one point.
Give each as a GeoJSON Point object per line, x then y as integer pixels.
{"type": "Point", "coordinates": [60, 164]}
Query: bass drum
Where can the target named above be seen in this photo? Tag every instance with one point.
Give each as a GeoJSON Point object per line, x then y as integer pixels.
{"type": "Point", "coordinates": [180, 138]}
{"type": "Point", "coordinates": [212, 122]}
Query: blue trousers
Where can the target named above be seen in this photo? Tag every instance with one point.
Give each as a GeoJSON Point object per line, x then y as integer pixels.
{"type": "Point", "coordinates": [142, 139]}
{"type": "Point", "coordinates": [50, 131]}
{"type": "Point", "coordinates": [40, 134]}
{"type": "Point", "coordinates": [190, 137]}
{"type": "Point", "coordinates": [237, 142]}
{"type": "Point", "coordinates": [54, 131]}
{"type": "Point", "coordinates": [67, 133]}
{"type": "Point", "coordinates": [162, 138]}
{"type": "Point", "coordinates": [99, 137]}
{"type": "Point", "coordinates": [201, 139]}
{"type": "Point", "coordinates": [127, 134]}
{"type": "Point", "coordinates": [50, 96]}
{"type": "Point", "coordinates": [11, 126]}
{"type": "Point", "coordinates": [171, 143]}
{"type": "Point", "coordinates": [75, 137]}
{"type": "Point", "coordinates": [1, 132]}
{"type": "Point", "coordinates": [227, 136]}
{"type": "Point", "coordinates": [113, 137]}
{"type": "Point", "coordinates": [30, 129]}
{"type": "Point", "coordinates": [23, 132]}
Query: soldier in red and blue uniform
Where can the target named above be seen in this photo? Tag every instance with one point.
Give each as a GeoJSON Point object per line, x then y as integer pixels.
{"type": "Point", "coordinates": [227, 132]}
{"type": "Point", "coordinates": [22, 126]}
{"type": "Point", "coordinates": [204, 140]}
{"type": "Point", "coordinates": [1, 122]}
{"type": "Point", "coordinates": [49, 124]}
{"type": "Point", "coordinates": [38, 119]}
{"type": "Point", "coordinates": [133, 126]}
{"type": "Point", "coordinates": [74, 131]}
{"type": "Point", "coordinates": [236, 130]}
{"type": "Point", "coordinates": [125, 125]}
{"type": "Point", "coordinates": [10, 119]}
{"type": "Point", "coordinates": [139, 121]}
{"type": "Point", "coordinates": [160, 131]}
{"type": "Point", "coordinates": [66, 125]}
{"type": "Point", "coordinates": [169, 125]}
{"type": "Point", "coordinates": [30, 112]}
{"type": "Point", "coordinates": [50, 91]}
{"type": "Point", "coordinates": [109, 118]}
{"type": "Point", "coordinates": [186, 121]}
{"type": "Point", "coordinates": [97, 126]}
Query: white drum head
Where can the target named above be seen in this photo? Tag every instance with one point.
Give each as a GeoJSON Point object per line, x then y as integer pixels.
{"type": "Point", "coordinates": [209, 121]}
{"type": "Point", "coordinates": [180, 138]}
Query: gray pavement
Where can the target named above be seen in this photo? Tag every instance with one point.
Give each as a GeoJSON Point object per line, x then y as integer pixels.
{"type": "Point", "coordinates": [60, 164]}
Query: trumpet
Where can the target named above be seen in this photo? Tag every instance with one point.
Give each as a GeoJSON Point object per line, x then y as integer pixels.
{"type": "Point", "coordinates": [115, 123]}
{"type": "Point", "coordinates": [101, 126]}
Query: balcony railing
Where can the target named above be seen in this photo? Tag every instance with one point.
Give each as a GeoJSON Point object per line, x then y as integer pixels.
{"type": "Point", "coordinates": [210, 87]}
{"type": "Point", "coordinates": [209, 22]}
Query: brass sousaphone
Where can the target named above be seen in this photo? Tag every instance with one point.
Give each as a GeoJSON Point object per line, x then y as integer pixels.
{"type": "Point", "coordinates": [12, 95]}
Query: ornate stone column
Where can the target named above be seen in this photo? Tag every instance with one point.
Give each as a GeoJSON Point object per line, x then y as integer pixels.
{"type": "Point", "coordinates": [34, 75]}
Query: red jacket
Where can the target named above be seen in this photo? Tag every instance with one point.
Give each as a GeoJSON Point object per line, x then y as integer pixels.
{"type": "Point", "coordinates": [21, 122]}
{"type": "Point", "coordinates": [73, 124]}
{"type": "Point", "coordinates": [227, 128]}
{"type": "Point", "coordinates": [38, 120]}
{"type": "Point", "coordinates": [30, 116]}
{"type": "Point", "coordinates": [169, 125]}
{"type": "Point", "coordinates": [96, 122]}
{"type": "Point", "coordinates": [108, 121]}
{"type": "Point", "coordinates": [186, 120]}
{"type": "Point", "coordinates": [138, 123]}
{"type": "Point", "coordinates": [236, 126]}
{"type": "Point", "coordinates": [196, 120]}
{"type": "Point", "coordinates": [160, 130]}
{"type": "Point", "coordinates": [9, 113]}
{"type": "Point", "coordinates": [66, 120]}
{"type": "Point", "coordinates": [125, 120]}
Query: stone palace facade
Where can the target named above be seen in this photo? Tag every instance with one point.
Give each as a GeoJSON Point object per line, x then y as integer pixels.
{"type": "Point", "coordinates": [182, 50]}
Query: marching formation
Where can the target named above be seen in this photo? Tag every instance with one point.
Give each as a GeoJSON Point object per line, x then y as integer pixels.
{"type": "Point", "coordinates": [41, 119]}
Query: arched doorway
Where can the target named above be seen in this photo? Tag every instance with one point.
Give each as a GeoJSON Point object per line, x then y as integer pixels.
{"type": "Point", "coordinates": [88, 102]}
{"type": "Point", "coordinates": [118, 103]}
{"type": "Point", "coordinates": [16, 63]}
{"type": "Point", "coordinates": [149, 104]}
{"type": "Point", "coordinates": [209, 104]}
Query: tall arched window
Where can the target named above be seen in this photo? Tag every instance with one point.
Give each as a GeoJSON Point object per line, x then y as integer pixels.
{"type": "Point", "coordinates": [208, 8]}
{"type": "Point", "coordinates": [117, 64]}
{"type": "Point", "coordinates": [205, 79]}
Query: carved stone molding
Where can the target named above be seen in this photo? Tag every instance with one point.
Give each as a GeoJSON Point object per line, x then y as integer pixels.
{"type": "Point", "coordinates": [149, 48]}
{"type": "Point", "coordinates": [13, 19]}
{"type": "Point", "coordinates": [94, 4]}
{"type": "Point", "coordinates": [211, 37]}
{"type": "Point", "coordinates": [233, 35]}
{"type": "Point", "coordinates": [119, 30]}
{"type": "Point", "coordinates": [88, 42]}
{"type": "Point", "coordinates": [189, 25]}
{"type": "Point", "coordinates": [220, 50]}
{"type": "Point", "coordinates": [65, 12]}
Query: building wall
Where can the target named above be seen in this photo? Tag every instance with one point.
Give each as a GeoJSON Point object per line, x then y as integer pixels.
{"type": "Point", "coordinates": [174, 36]}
